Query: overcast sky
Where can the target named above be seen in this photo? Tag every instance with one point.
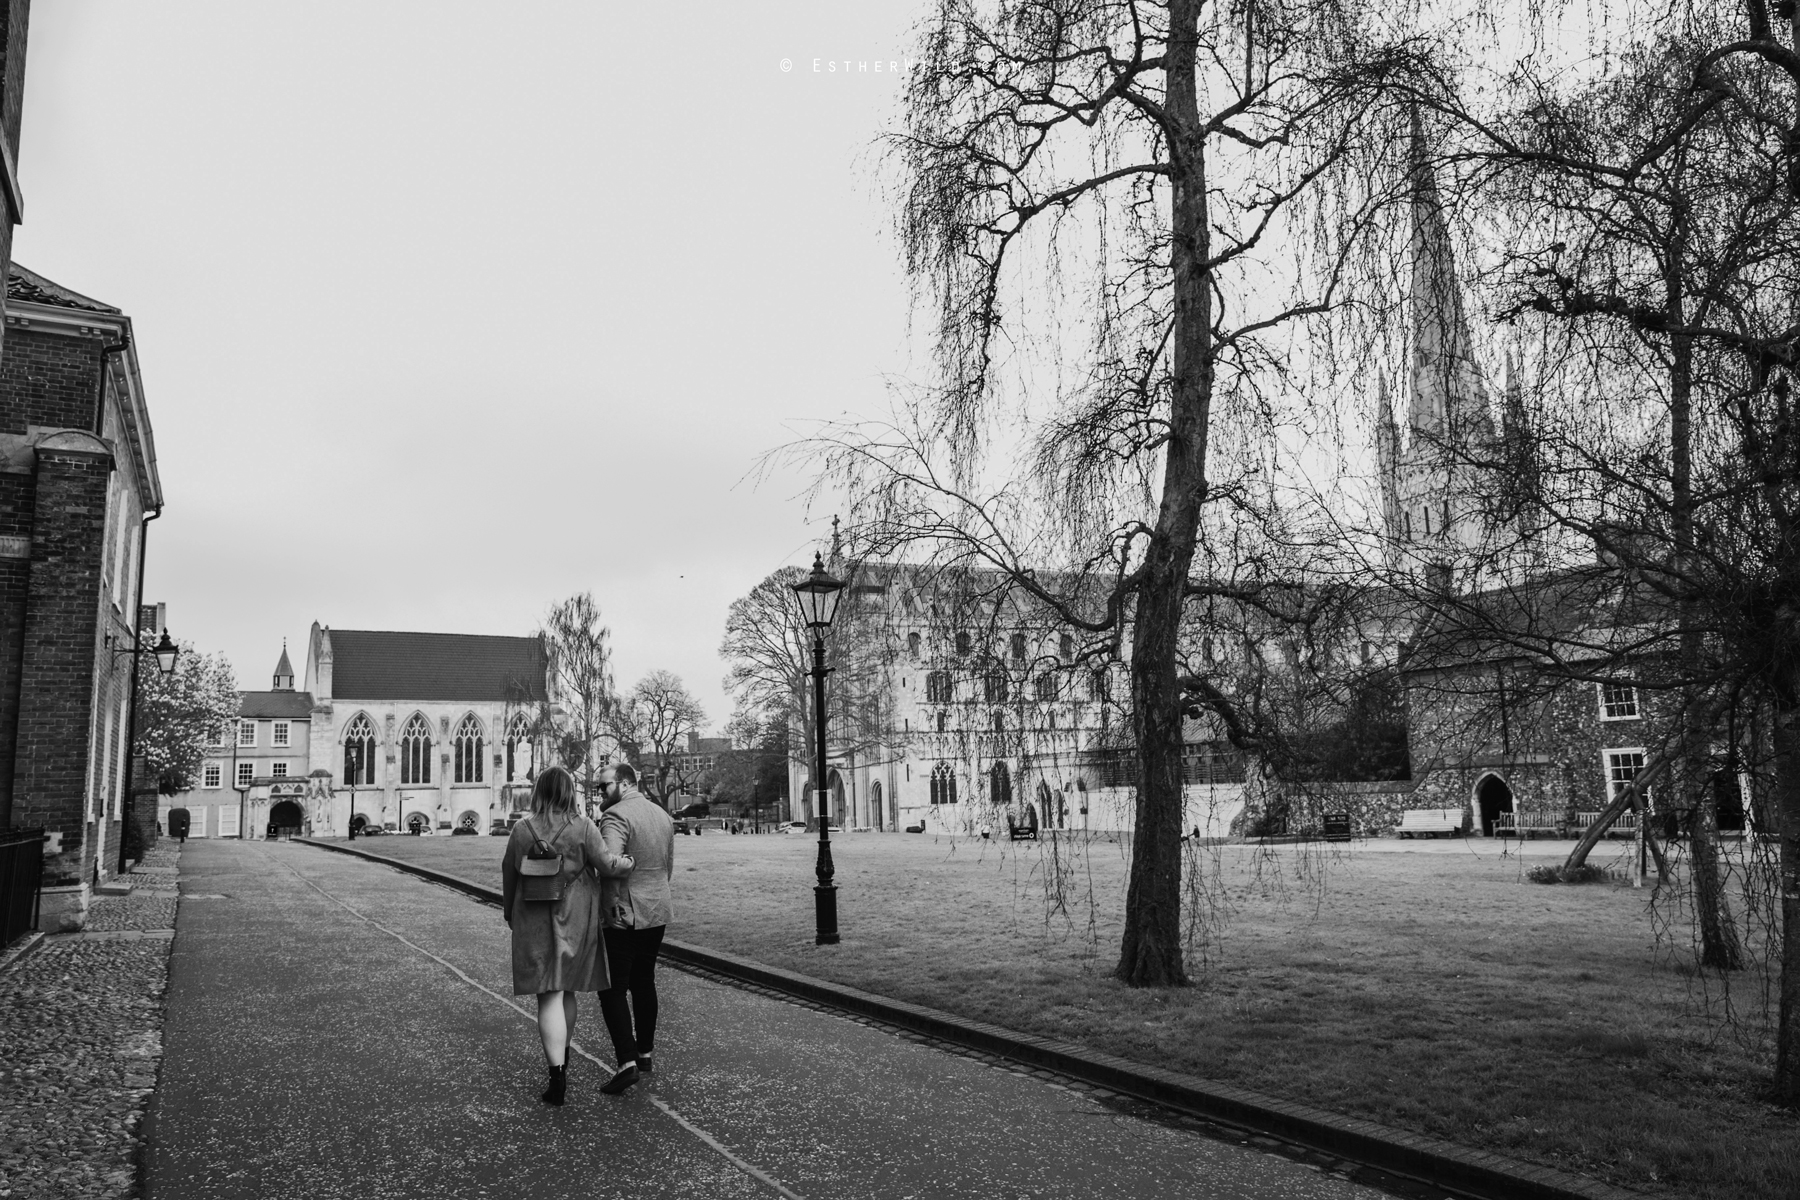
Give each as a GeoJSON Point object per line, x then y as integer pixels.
{"type": "Point", "coordinates": [447, 311]}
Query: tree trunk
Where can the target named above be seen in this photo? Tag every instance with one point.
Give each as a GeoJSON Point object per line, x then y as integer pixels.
{"type": "Point", "coordinates": [1719, 947]}
{"type": "Point", "coordinates": [1150, 952]}
{"type": "Point", "coordinates": [1787, 814]}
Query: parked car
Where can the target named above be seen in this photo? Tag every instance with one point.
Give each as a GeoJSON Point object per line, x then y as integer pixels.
{"type": "Point", "coordinates": [794, 827]}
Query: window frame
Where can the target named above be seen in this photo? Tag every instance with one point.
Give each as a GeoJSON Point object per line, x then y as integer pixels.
{"type": "Point", "coordinates": [246, 773]}
{"type": "Point", "coordinates": [281, 734]}
{"type": "Point", "coordinates": [246, 727]}
{"type": "Point", "coordinates": [1607, 767]}
{"type": "Point", "coordinates": [212, 776]}
{"type": "Point", "coordinates": [1606, 706]}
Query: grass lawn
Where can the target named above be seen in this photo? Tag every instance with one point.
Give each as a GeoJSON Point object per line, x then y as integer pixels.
{"type": "Point", "coordinates": [1428, 987]}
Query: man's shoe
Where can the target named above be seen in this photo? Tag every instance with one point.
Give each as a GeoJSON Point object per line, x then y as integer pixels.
{"type": "Point", "coordinates": [623, 1078]}
{"type": "Point", "coordinates": [643, 1064]}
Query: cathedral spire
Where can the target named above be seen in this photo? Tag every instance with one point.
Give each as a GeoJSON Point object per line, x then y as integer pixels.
{"type": "Point", "coordinates": [1387, 457]}
{"type": "Point", "coordinates": [1448, 399]}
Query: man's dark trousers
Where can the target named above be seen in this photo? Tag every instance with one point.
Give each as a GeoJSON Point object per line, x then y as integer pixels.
{"type": "Point", "coordinates": [631, 961]}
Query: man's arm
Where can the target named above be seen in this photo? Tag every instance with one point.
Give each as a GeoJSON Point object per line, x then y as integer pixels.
{"type": "Point", "coordinates": [615, 840]}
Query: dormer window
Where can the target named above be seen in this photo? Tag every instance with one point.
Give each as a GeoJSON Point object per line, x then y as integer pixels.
{"type": "Point", "coordinates": [1618, 702]}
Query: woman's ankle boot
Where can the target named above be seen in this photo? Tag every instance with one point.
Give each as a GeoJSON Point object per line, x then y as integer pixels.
{"type": "Point", "coordinates": [559, 1085]}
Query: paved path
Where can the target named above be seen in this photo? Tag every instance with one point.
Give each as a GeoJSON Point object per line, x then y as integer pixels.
{"type": "Point", "coordinates": [339, 1029]}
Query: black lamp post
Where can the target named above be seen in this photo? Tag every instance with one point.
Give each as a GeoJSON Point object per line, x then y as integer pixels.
{"type": "Point", "coordinates": [818, 597]}
{"type": "Point", "coordinates": [352, 772]}
{"type": "Point", "coordinates": [166, 653]}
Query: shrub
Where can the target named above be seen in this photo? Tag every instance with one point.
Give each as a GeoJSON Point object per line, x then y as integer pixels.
{"type": "Point", "coordinates": [1557, 873]}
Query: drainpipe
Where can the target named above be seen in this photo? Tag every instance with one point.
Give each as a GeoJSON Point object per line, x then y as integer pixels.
{"type": "Point", "coordinates": [137, 652]}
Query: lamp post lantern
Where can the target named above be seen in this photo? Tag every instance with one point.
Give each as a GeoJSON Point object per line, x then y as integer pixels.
{"type": "Point", "coordinates": [818, 596]}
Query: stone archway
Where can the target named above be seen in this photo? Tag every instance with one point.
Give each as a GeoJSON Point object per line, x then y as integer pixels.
{"type": "Point", "coordinates": [1492, 797]}
{"type": "Point", "coordinates": [286, 819]}
{"type": "Point", "coordinates": [875, 805]}
{"type": "Point", "coordinates": [835, 783]}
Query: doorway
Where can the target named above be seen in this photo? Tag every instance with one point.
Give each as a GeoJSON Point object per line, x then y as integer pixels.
{"type": "Point", "coordinates": [1493, 797]}
{"type": "Point", "coordinates": [285, 819]}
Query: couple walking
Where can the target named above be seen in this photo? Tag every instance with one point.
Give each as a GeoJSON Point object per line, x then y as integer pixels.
{"type": "Point", "coordinates": [587, 907]}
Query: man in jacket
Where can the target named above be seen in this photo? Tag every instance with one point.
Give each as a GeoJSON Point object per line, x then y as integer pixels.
{"type": "Point", "coordinates": [636, 909]}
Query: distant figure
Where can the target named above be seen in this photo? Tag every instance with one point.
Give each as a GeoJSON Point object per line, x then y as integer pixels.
{"type": "Point", "coordinates": [637, 909]}
{"type": "Point", "coordinates": [552, 904]}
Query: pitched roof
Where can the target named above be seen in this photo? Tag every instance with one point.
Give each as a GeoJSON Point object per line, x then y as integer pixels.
{"type": "Point", "coordinates": [382, 665]}
{"type": "Point", "coordinates": [22, 283]}
{"type": "Point", "coordinates": [283, 705]}
{"type": "Point", "coordinates": [284, 668]}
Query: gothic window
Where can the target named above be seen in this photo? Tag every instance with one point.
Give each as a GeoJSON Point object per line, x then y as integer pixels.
{"type": "Point", "coordinates": [468, 750]}
{"type": "Point", "coordinates": [999, 784]}
{"type": "Point", "coordinates": [359, 750]}
{"type": "Point", "coordinates": [1018, 647]}
{"type": "Point", "coordinates": [963, 643]}
{"type": "Point", "coordinates": [415, 751]}
{"type": "Point", "coordinates": [1099, 687]}
{"type": "Point", "coordinates": [943, 722]}
{"type": "Point", "coordinates": [1406, 524]}
{"type": "Point", "coordinates": [1046, 686]}
{"type": "Point", "coordinates": [999, 722]}
{"type": "Point", "coordinates": [943, 784]}
{"type": "Point", "coordinates": [937, 687]}
{"type": "Point", "coordinates": [912, 644]}
{"type": "Point", "coordinates": [1065, 645]}
{"type": "Point", "coordinates": [1446, 525]}
{"type": "Point", "coordinates": [1618, 702]}
{"type": "Point", "coordinates": [994, 685]}
{"type": "Point", "coordinates": [518, 749]}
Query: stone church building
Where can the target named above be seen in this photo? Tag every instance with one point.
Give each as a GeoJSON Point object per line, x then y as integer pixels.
{"type": "Point", "coordinates": [433, 729]}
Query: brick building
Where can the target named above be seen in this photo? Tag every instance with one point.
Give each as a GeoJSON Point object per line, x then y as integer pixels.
{"type": "Point", "coordinates": [257, 773]}
{"type": "Point", "coordinates": [78, 484]}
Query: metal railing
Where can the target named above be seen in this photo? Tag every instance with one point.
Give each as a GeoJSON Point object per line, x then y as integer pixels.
{"type": "Point", "coordinates": [21, 873]}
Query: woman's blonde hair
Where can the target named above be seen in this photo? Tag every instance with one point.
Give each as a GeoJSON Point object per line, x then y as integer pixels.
{"type": "Point", "coordinates": [553, 793]}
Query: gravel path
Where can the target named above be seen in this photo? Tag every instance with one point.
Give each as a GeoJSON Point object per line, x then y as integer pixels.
{"type": "Point", "coordinates": [80, 1043]}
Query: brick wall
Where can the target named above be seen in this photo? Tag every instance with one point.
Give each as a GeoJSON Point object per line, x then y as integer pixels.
{"type": "Point", "coordinates": [60, 654]}
{"type": "Point", "coordinates": [49, 380]}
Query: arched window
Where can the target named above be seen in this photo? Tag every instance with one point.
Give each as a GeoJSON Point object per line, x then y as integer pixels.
{"type": "Point", "coordinates": [963, 642]}
{"type": "Point", "coordinates": [1065, 645]}
{"type": "Point", "coordinates": [937, 687]}
{"type": "Point", "coordinates": [359, 750]}
{"type": "Point", "coordinates": [1099, 686]}
{"type": "Point", "coordinates": [415, 751]}
{"type": "Point", "coordinates": [999, 784]}
{"type": "Point", "coordinates": [468, 751]}
{"type": "Point", "coordinates": [943, 784]}
{"type": "Point", "coordinates": [999, 722]}
{"type": "Point", "coordinates": [518, 749]}
{"type": "Point", "coordinates": [1046, 686]}
{"type": "Point", "coordinates": [943, 722]}
{"type": "Point", "coordinates": [1018, 647]}
{"type": "Point", "coordinates": [912, 644]}
{"type": "Point", "coordinates": [994, 685]}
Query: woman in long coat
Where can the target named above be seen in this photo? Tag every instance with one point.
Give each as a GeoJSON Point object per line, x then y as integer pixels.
{"type": "Point", "coordinates": [557, 949]}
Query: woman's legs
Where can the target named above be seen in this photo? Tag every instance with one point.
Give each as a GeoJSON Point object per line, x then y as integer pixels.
{"type": "Point", "coordinates": [556, 1021]}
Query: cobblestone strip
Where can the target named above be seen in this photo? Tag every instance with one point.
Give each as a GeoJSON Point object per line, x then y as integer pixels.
{"type": "Point", "coordinates": [80, 1043]}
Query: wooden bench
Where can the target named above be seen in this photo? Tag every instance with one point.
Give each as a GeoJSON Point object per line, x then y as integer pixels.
{"type": "Point", "coordinates": [1625, 826]}
{"type": "Point", "coordinates": [1414, 821]}
{"type": "Point", "coordinates": [1525, 824]}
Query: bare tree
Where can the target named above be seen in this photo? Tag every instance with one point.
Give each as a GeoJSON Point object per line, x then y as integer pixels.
{"type": "Point", "coordinates": [1649, 232]}
{"type": "Point", "coordinates": [662, 715]}
{"type": "Point", "coordinates": [580, 670]}
{"type": "Point", "coordinates": [1195, 179]}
